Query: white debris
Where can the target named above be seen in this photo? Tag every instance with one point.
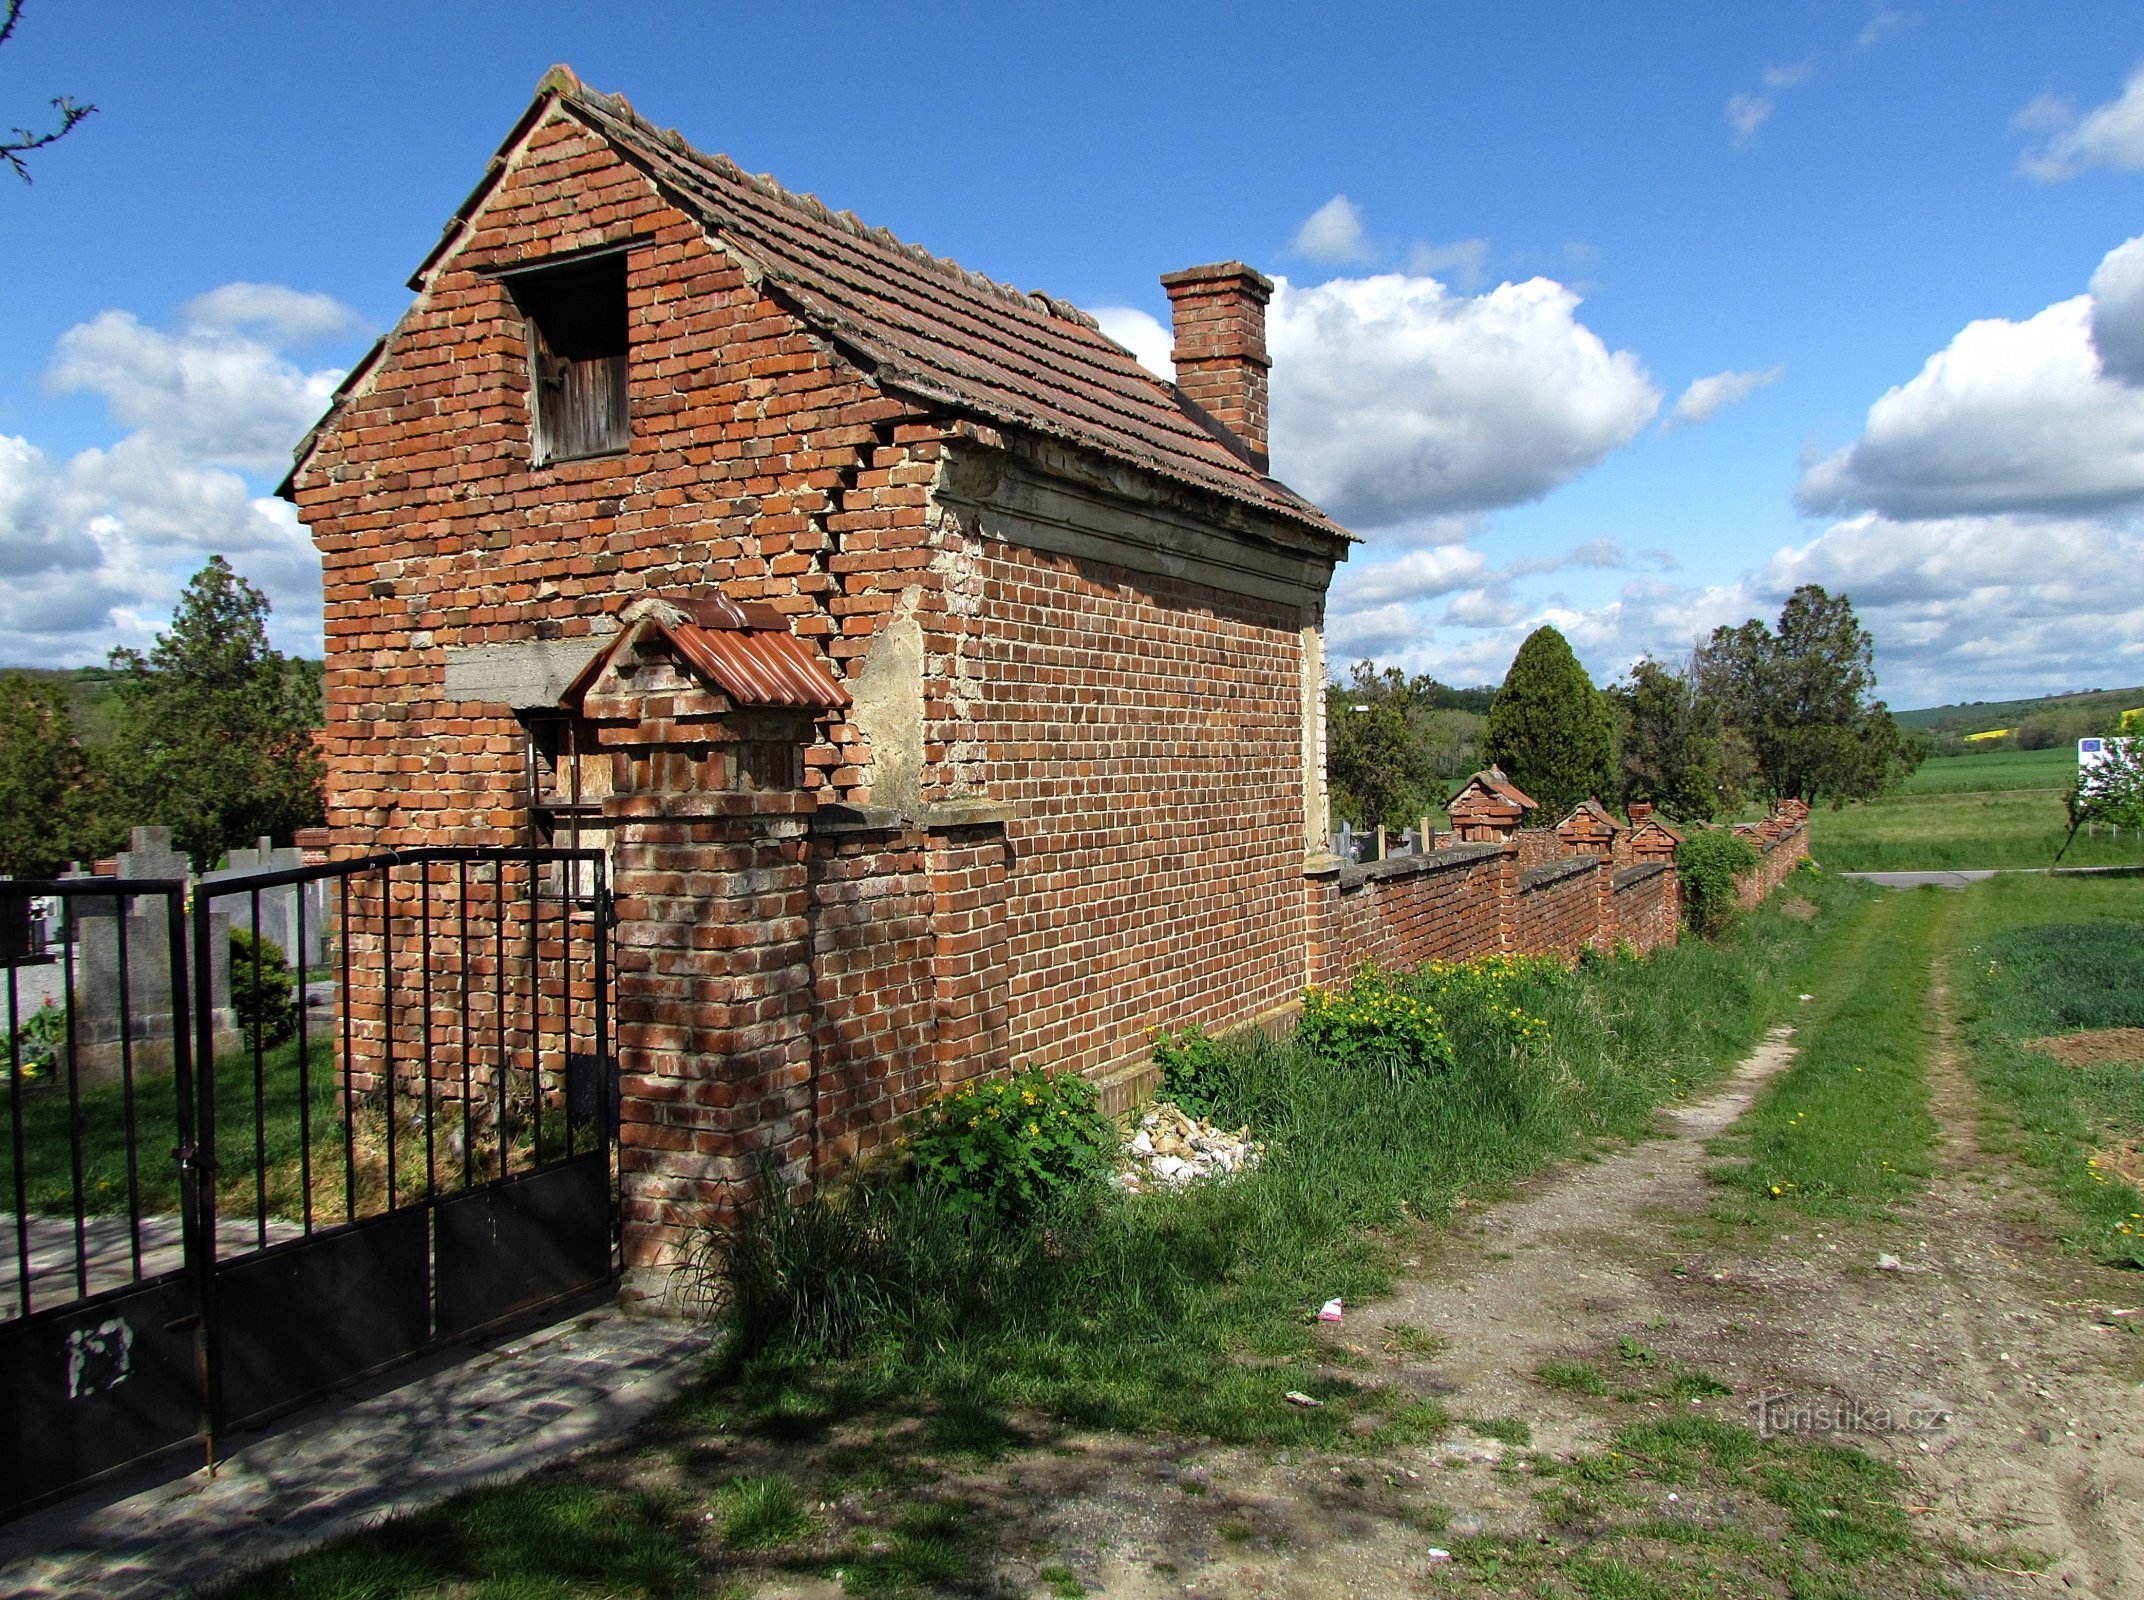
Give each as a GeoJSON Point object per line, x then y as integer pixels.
{"type": "Point", "coordinates": [1889, 1263]}
{"type": "Point", "coordinates": [1169, 1149]}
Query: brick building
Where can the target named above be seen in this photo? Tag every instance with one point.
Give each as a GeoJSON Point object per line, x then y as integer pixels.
{"type": "Point", "coordinates": [944, 688]}
{"type": "Point", "coordinates": [1047, 762]}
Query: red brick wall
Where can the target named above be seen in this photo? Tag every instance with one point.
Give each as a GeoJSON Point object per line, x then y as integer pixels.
{"type": "Point", "coordinates": [1646, 906]}
{"type": "Point", "coordinates": [758, 463]}
{"type": "Point", "coordinates": [1558, 911]}
{"type": "Point", "coordinates": [1131, 725]}
{"type": "Point", "coordinates": [873, 1040]}
{"type": "Point", "coordinates": [1439, 907]}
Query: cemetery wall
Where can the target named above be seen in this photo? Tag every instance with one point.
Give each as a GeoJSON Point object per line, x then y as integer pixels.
{"type": "Point", "coordinates": [1559, 909]}
{"type": "Point", "coordinates": [1396, 913]}
{"type": "Point", "coordinates": [1646, 905]}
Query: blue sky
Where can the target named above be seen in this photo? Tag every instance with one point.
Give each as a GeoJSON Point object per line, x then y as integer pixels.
{"type": "Point", "coordinates": [1511, 237]}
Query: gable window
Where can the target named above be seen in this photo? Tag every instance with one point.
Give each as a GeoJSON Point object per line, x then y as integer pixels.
{"type": "Point", "coordinates": [577, 355]}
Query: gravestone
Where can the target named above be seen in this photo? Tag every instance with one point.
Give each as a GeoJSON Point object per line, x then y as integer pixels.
{"type": "Point", "coordinates": [140, 1010]}
{"type": "Point", "coordinates": [279, 905]}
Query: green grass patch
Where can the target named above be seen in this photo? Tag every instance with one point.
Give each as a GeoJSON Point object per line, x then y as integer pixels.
{"type": "Point", "coordinates": [1847, 1127]}
{"type": "Point", "coordinates": [548, 1538]}
{"type": "Point", "coordinates": [2049, 956]}
{"type": "Point", "coordinates": [757, 1513]}
{"type": "Point", "coordinates": [2001, 809]}
{"type": "Point", "coordinates": [1995, 770]}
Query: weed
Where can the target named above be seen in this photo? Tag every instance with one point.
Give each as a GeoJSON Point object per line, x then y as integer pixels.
{"type": "Point", "coordinates": [2055, 956]}
{"type": "Point", "coordinates": [1063, 1581]}
{"type": "Point", "coordinates": [1577, 1377]}
{"type": "Point", "coordinates": [1511, 1430]}
{"type": "Point", "coordinates": [760, 1512]}
{"type": "Point", "coordinates": [1405, 1339]}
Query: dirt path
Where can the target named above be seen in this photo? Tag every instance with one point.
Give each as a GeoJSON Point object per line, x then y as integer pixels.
{"type": "Point", "coordinates": [1986, 1363]}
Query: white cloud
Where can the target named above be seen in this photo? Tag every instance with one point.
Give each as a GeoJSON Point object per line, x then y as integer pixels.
{"type": "Point", "coordinates": [1705, 397]}
{"type": "Point", "coordinates": [1333, 233]}
{"type": "Point", "coordinates": [2111, 135]}
{"type": "Point", "coordinates": [1143, 335]}
{"type": "Point", "coordinates": [1883, 22]}
{"type": "Point", "coordinates": [1967, 606]}
{"type": "Point", "coordinates": [214, 389]}
{"type": "Point", "coordinates": [1417, 575]}
{"type": "Point", "coordinates": [2011, 417]}
{"type": "Point", "coordinates": [94, 548]}
{"type": "Point", "coordinates": [1960, 607]}
{"type": "Point", "coordinates": [1462, 263]}
{"type": "Point", "coordinates": [1746, 113]}
{"type": "Point", "coordinates": [1397, 403]}
{"type": "Point", "coordinates": [2118, 313]}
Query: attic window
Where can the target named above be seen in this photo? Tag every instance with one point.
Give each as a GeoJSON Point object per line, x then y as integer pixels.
{"type": "Point", "coordinates": [577, 350]}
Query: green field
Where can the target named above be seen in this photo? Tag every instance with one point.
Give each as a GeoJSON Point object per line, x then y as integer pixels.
{"type": "Point", "coordinates": [1971, 716]}
{"type": "Point", "coordinates": [2001, 809]}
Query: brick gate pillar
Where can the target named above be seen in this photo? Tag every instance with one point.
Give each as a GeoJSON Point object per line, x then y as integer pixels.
{"type": "Point", "coordinates": [699, 714]}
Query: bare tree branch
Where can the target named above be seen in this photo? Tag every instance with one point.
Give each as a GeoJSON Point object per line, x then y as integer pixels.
{"type": "Point", "coordinates": [24, 141]}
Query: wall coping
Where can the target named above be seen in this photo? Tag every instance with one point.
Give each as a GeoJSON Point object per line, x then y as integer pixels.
{"type": "Point", "coordinates": [836, 817]}
{"type": "Point", "coordinates": [1556, 871]}
{"type": "Point", "coordinates": [1631, 877]}
{"type": "Point", "coordinates": [1353, 876]}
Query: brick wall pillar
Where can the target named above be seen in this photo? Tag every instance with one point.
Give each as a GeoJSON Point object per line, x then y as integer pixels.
{"type": "Point", "coordinates": [714, 1011]}
{"type": "Point", "coordinates": [970, 973]}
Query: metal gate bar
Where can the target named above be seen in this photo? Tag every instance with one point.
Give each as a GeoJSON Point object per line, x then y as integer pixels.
{"type": "Point", "coordinates": [210, 1294]}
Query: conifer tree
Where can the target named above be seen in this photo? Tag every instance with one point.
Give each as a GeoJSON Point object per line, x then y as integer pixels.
{"type": "Point", "coordinates": [1550, 729]}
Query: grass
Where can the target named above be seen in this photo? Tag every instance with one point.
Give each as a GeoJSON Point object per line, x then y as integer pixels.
{"type": "Point", "coordinates": [48, 1146]}
{"type": "Point", "coordinates": [1847, 1128]}
{"type": "Point", "coordinates": [2000, 809]}
{"type": "Point", "coordinates": [1685, 1508]}
{"type": "Point", "coordinates": [2053, 956]}
{"type": "Point", "coordinates": [253, 1162]}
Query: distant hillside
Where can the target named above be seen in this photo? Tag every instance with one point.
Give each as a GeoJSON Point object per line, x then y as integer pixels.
{"type": "Point", "coordinates": [90, 688]}
{"type": "Point", "coordinates": [1977, 716]}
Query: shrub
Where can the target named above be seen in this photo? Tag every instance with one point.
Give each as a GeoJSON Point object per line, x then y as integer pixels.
{"type": "Point", "coordinates": [1372, 1024]}
{"type": "Point", "coordinates": [1013, 1148]}
{"type": "Point", "coordinates": [1710, 862]}
{"type": "Point", "coordinates": [1193, 1068]}
{"type": "Point", "coordinates": [262, 990]}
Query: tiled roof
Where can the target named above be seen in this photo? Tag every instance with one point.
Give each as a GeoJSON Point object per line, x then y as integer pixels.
{"type": "Point", "coordinates": [1492, 781]}
{"type": "Point", "coordinates": [937, 333]}
{"type": "Point", "coordinates": [747, 652]}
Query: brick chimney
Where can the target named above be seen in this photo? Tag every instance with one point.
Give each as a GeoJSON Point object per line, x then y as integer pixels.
{"type": "Point", "coordinates": [1220, 354]}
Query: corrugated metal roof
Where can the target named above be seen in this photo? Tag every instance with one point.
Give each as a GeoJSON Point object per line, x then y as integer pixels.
{"type": "Point", "coordinates": [759, 667]}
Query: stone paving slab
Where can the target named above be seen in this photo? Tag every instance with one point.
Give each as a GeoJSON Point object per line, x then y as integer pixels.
{"type": "Point", "coordinates": [475, 1417]}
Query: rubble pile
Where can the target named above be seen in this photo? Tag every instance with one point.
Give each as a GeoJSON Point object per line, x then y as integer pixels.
{"type": "Point", "coordinates": [1168, 1149]}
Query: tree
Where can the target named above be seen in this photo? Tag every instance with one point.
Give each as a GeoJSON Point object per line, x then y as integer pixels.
{"type": "Point", "coordinates": [1802, 697]}
{"type": "Point", "coordinates": [2111, 792]}
{"type": "Point", "coordinates": [45, 780]}
{"type": "Point", "coordinates": [24, 141]}
{"type": "Point", "coordinates": [1550, 729]}
{"type": "Point", "coordinates": [1675, 747]}
{"type": "Point", "coordinates": [212, 730]}
{"type": "Point", "coordinates": [1376, 762]}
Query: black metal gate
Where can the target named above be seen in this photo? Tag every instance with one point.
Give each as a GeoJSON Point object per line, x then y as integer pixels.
{"type": "Point", "coordinates": [230, 1191]}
